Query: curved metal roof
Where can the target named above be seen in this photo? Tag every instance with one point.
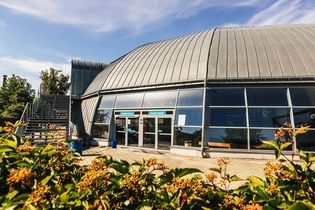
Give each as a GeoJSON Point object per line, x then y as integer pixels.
{"type": "Point", "coordinates": [219, 54]}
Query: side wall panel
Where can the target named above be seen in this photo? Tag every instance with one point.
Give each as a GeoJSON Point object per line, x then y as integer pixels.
{"type": "Point", "coordinates": [88, 111]}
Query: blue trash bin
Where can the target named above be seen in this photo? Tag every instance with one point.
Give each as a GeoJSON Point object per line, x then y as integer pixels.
{"type": "Point", "coordinates": [114, 143]}
{"type": "Point", "coordinates": [77, 145]}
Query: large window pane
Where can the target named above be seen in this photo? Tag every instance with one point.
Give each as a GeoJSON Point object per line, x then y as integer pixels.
{"type": "Point", "coordinates": [100, 131]}
{"type": "Point", "coordinates": [188, 136]}
{"type": "Point", "coordinates": [267, 97]}
{"type": "Point", "coordinates": [304, 117]}
{"type": "Point", "coordinates": [228, 117]}
{"type": "Point", "coordinates": [190, 98]}
{"type": "Point", "coordinates": [129, 100]}
{"type": "Point", "coordinates": [103, 115]}
{"type": "Point", "coordinates": [235, 138]}
{"type": "Point", "coordinates": [306, 142]}
{"type": "Point", "coordinates": [259, 135]}
{"type": "Point", "coordinates": [303, 96]}
{"type": "Point", "coordinates": [160, 99]}
{"type": "Point", "coordinates": [188, 116]}
{"type": "Point", "coordinates": [226, 97]}
{"type": "Point", "coordinates": [268, 117]}
{"type": "Point", "coordinates": [107, 101]}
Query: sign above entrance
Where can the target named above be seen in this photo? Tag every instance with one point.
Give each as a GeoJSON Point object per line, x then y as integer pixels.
{"type": "Point", "coordinates": [127, 113]}
{"type": "Point", "coordinates": [157, 113]}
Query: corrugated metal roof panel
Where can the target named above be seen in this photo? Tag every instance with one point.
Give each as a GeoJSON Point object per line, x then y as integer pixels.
{"type": "Point", "coordinates": [229, 53]}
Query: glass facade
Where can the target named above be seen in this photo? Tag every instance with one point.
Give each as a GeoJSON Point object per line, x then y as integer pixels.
{"type": "Point", "coordinates": [235, 117]}
{"type": "Point", "coordinates": [240, 117]}
{"type": "Point", "coordinates": [236, 138]}
{"type": "Point", "coordinates": [160, 99]}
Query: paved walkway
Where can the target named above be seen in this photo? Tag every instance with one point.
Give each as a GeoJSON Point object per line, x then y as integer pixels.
{"type": "Point", "coordinates": [241, 167]}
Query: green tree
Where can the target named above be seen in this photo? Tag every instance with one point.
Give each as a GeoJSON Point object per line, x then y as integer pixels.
{"type": "Point", "coordinates": [14, 95]}
{"type": "Point", "coordinates": [53, 82]}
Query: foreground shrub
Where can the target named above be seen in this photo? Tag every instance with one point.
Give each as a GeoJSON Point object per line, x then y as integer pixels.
{"type": "Point", "coordinates": [51, 178]}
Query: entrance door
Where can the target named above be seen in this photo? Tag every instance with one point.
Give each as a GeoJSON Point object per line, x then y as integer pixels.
{"type": "Point", "coordinates": [149, 131]}
{"type": "Point", "coordinates": [127, 131]}
{"type": "Point", "coordinates": [164, 133]}
{"type": "Point", "coordinates": [157, 132]}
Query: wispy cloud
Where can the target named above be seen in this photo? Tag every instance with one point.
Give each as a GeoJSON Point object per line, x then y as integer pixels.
{"type": "Point", "coordinates": [29, 68]}
{"type": "Point", "coordinates": [284, 12]}
{"type": "Point", "coordinates": [281, 12]}
{"type": "Point", "coordinates": [111, 15]}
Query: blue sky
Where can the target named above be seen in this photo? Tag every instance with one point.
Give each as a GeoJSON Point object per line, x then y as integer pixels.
{"type": "Point", "coordinates": [38, 34]}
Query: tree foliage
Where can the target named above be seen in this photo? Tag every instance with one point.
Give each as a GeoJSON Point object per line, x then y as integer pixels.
{"type": "Point", "coordinates": [14, 95]}
{"type": "Point", "coordinates": [53, 82]}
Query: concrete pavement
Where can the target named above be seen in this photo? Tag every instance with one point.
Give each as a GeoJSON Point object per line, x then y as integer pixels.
{"type": "Point", "coordinates": [240, 167]}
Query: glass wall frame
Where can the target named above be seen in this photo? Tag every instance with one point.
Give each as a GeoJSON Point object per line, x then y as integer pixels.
{"type": "Point", "coordinates": [222, 118]}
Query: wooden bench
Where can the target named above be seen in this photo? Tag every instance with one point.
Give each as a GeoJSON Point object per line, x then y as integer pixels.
{"type": "Point", "coordinates": [219, 144]}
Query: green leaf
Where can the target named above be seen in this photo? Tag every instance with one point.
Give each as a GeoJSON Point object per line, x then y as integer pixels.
{"type": "Point", "coordinates": [12, 194]}
{"type": "Point", "coordinates": [235, 178]}
{"type": "Point", "coordinates": [48, 150]}
{"type": "Point", "coordinates": [10, 143]}
{"type": "Point", "coordinates": [302, 205]}
{"type": "Point", "coordinates": [46, 179]}
{"type": "Point", "coordinates": [256, 181]}
{"type": "Point", "coordinates": [285, 145]}
{"type": "Point", "coordinates": [262, 195]}
{"type": "Point", "coordinates": [180, 172]}
{"type": "Point", "coordinates": [216, 170]}
{"type": "Point", "coordinates": [123, 169]}
{"type": "Point", "coordinates": [269, 145]}
{"type": "Point", "coordinates": [64, 197]}
{"type": "Point", "coordinates": [6, 148]}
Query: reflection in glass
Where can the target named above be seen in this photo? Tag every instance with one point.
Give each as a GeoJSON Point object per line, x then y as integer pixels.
{"type": "Point", "coordinates": [100, 131]}
{"type": "Point", "coordinates": [103, 116]}
{"type": "Point", "coordinates": [306, 142]}
{"type": "Point", "coordinates": [237, 138]}
{"type": "Point", "coordinates": [267, 97]}
{"type": "Point", "coordinates": [304, 116]}
{"type": "Point", "coordinates": [149, 133]}
{"type": "Point", "coordinates": [121, 130]}
{"type": "Point", "coordinates": [188, 136]}
{"type": "Point", "coordinates": [160, 99]}
{"type": "Point", "coordinates": [192, 116]}
{"type": "Point", "coordinates": [190, 97]}
{"type": "Point", "coordinates": [259, 135]}
{"type": "Point", "coordinates": [228, 117]}
{"type": "Point", "coordinates": [303, 96]}
{"type": "Point", "coordinates": [268, 117]}
{"type": "Point", "coordinates": [133, 131]}
{"type": "Point", "coordinates": [226, 97]}
{"type": "Point", "coordinates": [164, 133]}
{"type": "Point", "coordinates": [107, 101]}
{"type": "Point", "coordinates": [129, 100]}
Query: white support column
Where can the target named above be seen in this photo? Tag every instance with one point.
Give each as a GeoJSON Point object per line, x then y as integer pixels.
{"type": "Point", "coordinates": [247, 118]}
{"type": "Point", "coordinates": [291, 119]}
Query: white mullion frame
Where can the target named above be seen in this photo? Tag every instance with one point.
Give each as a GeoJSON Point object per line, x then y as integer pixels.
{"type": "Point", "coordinates": [292, 119]}
{"type": "Point", "coordinates": [247, 118]}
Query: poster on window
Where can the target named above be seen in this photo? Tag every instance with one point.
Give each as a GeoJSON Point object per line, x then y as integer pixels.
{"type": "Point", "coordinates": [181, 120]}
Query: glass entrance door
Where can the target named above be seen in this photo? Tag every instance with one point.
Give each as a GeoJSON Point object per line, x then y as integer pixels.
{"type": "Point", "coordinates": [127, 131]}
{"type": "Point", "coordinates": [149, 133]}
{"type": "Point", "coordinates": [157, 132]}
{"type": "Point", "coordinates": [121, 130]}
{"type": "Point", "coordinates": [164, 133]}
{"type": "Point", "coordinates": [133, 132]}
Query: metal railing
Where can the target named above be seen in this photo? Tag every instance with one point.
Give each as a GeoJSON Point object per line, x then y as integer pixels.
{"type": "Point", "coordinates": [44, 108]}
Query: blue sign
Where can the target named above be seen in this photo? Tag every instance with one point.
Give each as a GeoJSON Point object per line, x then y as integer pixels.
{"type": "Point", "coordinates": [157, 113]}
{"type": "Point", "coordinates": [127, 113]}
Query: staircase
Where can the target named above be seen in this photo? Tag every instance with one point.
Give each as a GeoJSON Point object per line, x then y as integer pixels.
{"type": "Point", "coordinates": [47, 119]}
